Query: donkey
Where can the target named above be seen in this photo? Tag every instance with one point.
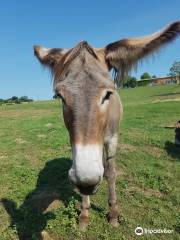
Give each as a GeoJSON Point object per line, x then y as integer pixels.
{"type": "Point", "coordinates": [92, 108]}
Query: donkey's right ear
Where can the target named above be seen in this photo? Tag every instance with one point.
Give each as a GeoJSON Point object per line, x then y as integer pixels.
{"type": "Point", "coordinates": [49, 56]}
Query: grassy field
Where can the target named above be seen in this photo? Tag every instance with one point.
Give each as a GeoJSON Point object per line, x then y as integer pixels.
{"type": "Point", "coordinates": [36, 197]}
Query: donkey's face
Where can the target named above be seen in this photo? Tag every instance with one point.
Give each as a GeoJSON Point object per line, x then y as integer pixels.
{"type": "Point", "coordinates": [85, 89]}
{"type": "Point", "coordinates": [82, 81]}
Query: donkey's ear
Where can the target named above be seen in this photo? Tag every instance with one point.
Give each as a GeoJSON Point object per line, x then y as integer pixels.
{"type": "Point", "coordinates": [49, 56]}
{"type": "Point", "coordinates": [123, 55]}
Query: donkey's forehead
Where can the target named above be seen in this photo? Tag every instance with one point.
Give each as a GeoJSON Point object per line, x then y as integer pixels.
{"type": "Point", "coordinates": [87, 77]}
{"type": "Point", "coordinates": [86, 85]}
{"type": "Point", "coordinates": [82, 68]}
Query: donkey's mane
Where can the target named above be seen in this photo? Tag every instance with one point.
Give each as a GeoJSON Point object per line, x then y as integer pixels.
{"type": "Point", "coordinates": [61, 68]}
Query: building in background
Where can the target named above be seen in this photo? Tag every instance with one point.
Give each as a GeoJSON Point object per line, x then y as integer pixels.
{"type": "Point", "coordinates": [159, 81]}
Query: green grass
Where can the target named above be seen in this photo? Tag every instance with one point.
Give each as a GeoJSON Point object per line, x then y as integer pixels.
{"type": "Point", "coordinates": [35, 157]}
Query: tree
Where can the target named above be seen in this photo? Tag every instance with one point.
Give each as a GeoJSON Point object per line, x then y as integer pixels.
{"type": "Point", "coordinates": [1, 101]}
{"type": "Point", "coordinates": [14, 98]}
{"type": "Point", "coordinates": [175, 70]}
{"type": "Point", "coordinates": [25, 99]}
{"type": "Point", "coordinates": [131, 82]}
{"type": "Point", "coordinates": [145, 75]}
{"type": "Point", "coordinates": [154, 76]}
{"type": "Point", "coordinates": [126, 79]}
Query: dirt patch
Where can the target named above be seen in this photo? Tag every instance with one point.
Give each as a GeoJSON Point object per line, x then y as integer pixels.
{"type": "Point", "coordinates": [45, 201]}
{"type": "Point", "coordinates": [170, 126]}
{"type": "Point", "coordinates": [146, 191]}
{"type": "Point", "coordinates": [41, 136]}
{"type": "Point", "coordinates": [20, 141]}
{"type": "Point", "coordinates": [45, 236]}
{"type": "Point", "coordinates": [166, 100]}
{"type": "Point", "coordinates": [48, 125]}
{"type": "Point", "coordinates": [33, 157]}
{"type": "Point", "coordinates": [155, 151]}
{"type": "Point", "coordinates": [119, 171]}
{"type": "Point", "coordinates": [127, 148]}
{"type": "Point", "coordinates": [54, 205]}
{"type": "Point", "coordinates": [14, 113]}
{"type": "Point", "coordinates": [152, 192]}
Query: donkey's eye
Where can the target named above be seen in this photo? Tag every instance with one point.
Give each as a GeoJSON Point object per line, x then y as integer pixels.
{"type": "Point", "coordinates": [106, 97]}
{"type": "Point", "coordinates": [58, 95]}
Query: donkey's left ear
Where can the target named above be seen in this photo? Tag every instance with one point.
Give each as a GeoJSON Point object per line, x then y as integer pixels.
{"type": "Point", "coordinates": [49, 56]}
{"type": "Point", "coordinates": [123, 55]}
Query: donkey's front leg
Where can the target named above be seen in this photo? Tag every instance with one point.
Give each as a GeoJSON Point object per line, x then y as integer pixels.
{"type": "Point", "coordinates": [110, 174]}
{"type": "Point", "coordinates": [84, 215]}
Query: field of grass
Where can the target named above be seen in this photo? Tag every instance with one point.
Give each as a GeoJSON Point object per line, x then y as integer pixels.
{"type": "Point", "coordinates": [36, 198]}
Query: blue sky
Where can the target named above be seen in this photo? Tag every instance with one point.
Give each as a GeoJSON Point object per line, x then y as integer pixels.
{"type": "Point", "coordinates": [63, 24]}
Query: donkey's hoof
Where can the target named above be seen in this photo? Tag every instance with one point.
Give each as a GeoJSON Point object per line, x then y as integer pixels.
{"type": "Point", "coordinates": [83, 226]}
{"type": "Point", "coordinates": [45, 236]}
{"type": "Point", "coordinates": [83, 223]}
{"type": "Point", "coordinates": [113, 218]}
{"type": "Point", "coordinates": [114, 222]}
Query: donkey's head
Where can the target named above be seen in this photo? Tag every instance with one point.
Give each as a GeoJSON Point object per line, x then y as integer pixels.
{"type": "Point", "coordinates": [82, 81]}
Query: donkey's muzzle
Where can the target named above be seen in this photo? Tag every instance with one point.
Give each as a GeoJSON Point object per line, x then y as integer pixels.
{"type": "Point", "coordinates": [87, 190]}
{"type": "Point", "coordinates": [85, 187]}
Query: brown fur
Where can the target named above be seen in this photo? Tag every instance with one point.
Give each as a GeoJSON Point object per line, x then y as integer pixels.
{"type": "Point", "coordinates": [62, 66]}
{"type": "Point", "coordinates": [52, 58]}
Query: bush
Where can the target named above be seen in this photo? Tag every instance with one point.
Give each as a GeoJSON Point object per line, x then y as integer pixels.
{"type": "Point", "coordinates": [143, 83]}
{"type": "Point", "coordinates": [131, 82]}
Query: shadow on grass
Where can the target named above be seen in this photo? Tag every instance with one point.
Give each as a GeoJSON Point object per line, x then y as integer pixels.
{"type": "Point", "coordinates": [172, 149]}
{"type": "Point", "coordinates": [52, 186]}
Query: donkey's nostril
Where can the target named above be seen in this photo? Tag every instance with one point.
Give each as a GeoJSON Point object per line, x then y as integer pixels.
{"type": "Point", "coordinates": [87, 190]}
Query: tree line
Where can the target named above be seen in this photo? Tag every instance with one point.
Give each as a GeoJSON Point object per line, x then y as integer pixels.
{"type": "Point", "coordinates": [15, 99]}
{"type": "Point", "coordinates": [131, 82]}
